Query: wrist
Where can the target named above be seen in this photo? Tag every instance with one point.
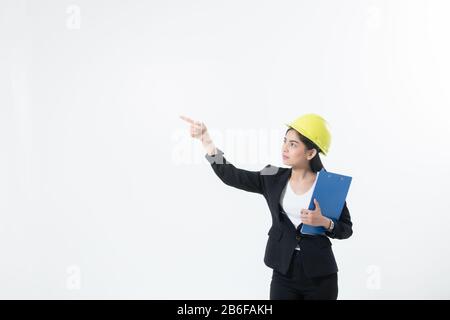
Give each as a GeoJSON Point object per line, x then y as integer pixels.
{"type": "Point", "coordinates": [206, 139]}
{"type": "Point", "coordinates": [326, 223]}
{"type": "Point", "coordinates": [208, 145]}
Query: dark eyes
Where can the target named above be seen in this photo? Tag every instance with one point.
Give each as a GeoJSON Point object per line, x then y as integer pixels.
{"type": "Point", "coordinates": [292, 144]}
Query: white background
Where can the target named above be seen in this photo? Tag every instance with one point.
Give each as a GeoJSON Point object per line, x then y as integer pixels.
{"type": "Point", "coordinates": [104, 195]}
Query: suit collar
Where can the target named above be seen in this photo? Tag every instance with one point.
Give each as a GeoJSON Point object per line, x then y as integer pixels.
{"type": "Point", "coordinates": [281, 182]}
{"type": "Point", "coordinates": [279, 185]}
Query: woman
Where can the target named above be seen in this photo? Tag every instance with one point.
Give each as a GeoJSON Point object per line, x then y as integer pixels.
{"type": "Point", "coordinates": [303, 265]}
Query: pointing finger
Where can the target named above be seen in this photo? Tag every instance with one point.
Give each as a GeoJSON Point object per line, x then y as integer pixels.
{"type": "Point", "coordinates": [187, 119]}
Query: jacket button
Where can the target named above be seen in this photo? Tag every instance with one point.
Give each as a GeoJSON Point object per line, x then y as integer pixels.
{"type": "Point", "coordinates": [297, 237]}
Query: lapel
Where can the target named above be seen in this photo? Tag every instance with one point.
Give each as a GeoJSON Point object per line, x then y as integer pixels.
{"type": "Point", "coordinates": [280, 183]}
{"type": "Point", "coordinates": [278, 186]}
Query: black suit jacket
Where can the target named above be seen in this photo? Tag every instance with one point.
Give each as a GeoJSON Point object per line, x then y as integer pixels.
{"type": "Point", "coordinates": [316, 253]}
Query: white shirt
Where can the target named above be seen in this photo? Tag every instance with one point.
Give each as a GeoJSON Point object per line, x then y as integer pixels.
{"type": "Point", "coordinates": [293, 203]}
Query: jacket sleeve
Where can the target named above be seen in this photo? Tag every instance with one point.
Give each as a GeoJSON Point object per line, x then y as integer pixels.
{"type": "Point", "coordinates": [250, 181]}
{"type": "Point", "coordinates": [342, 227]}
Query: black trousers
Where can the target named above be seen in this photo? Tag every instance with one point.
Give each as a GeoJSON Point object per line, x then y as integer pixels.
{"type": "Point", "coordinates": [295, 285]}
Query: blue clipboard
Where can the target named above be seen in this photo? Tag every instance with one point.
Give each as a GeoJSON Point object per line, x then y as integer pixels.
{"type": "Point", "coordinates": [330, 191]}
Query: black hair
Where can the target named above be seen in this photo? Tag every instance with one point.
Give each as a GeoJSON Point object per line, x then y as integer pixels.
{"type": "Point", "coordinates": [315, 163]}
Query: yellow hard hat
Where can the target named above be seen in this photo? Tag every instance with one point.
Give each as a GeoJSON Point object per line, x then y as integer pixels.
{"type": "Point", "coordinates": [315, 128]}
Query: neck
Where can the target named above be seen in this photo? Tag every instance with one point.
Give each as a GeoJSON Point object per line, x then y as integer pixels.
{"type": "Point", "coordinates": [299, 174]}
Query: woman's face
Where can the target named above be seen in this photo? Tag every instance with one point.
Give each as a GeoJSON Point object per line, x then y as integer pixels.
{"type": "Point", "coordinates": [294, 152]}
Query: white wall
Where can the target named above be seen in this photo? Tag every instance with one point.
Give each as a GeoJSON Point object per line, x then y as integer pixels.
{"type": "Point", "coordinates": [104, 194]}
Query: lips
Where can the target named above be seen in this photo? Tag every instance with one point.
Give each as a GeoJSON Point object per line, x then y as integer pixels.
{"type": "Point", "coordinates": [285, 157]}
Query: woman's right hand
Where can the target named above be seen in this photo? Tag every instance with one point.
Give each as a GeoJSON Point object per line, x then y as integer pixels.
{"type": "Point", "coordinates": [200, 132]}
{"type": "Point", "coordinates": [198, 129]}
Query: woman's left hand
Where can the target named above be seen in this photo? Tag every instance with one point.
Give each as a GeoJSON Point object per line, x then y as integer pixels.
{"type": "Point", "coordinates": [314, 217]}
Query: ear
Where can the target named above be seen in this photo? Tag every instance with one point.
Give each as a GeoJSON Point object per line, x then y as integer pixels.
{"type": "Point", "coordinates": [312, 153]}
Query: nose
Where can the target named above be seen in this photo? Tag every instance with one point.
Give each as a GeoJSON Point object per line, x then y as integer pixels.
{"type": "Point", "coordinates": [284, 148]}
